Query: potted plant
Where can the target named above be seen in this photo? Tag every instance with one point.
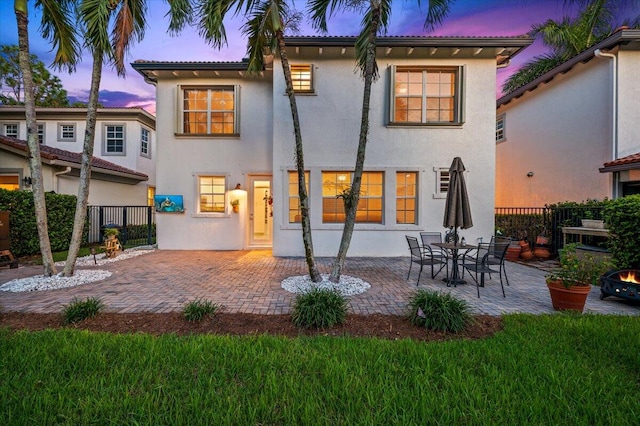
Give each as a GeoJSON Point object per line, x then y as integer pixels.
{"type": "Point", "coordinates": [589, 222]}
{"type": "Point", "coordinates": [570, 284]}
{"type": "Point", "coordinates": [111, 233]}
{"type": "Point", "coordinates": [235, 205]}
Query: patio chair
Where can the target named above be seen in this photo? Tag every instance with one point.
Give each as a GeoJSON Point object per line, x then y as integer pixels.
{"type": "Point", "coordinates": [499, 247]}
{"type": "Point", "coordinates": [479, 265]}
{"type": "Point", "coordinates": [425, 256]}
{"type": "Point", "coordinates": [429, 238]}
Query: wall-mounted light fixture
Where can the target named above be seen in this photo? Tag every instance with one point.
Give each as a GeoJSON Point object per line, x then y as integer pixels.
{"type": "Point", "coordinates": [27, 181]}
{"type": "Point", "coordinates": [237, 194]}
{"type": "Point", "coordinates": [238, 186]}
{"type": "Point", "coordinates": [530, 174]}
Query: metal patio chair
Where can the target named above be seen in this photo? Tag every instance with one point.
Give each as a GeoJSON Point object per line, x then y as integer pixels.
{"type": "Point", "coordinates": [479, 265]}
{"type": "Point", "coordinates": [425, 256]}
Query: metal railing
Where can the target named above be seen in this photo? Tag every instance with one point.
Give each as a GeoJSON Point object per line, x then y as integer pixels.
{"type": "Point", "coordinates": [529, 222]}
{"type": "Point", "coordinates": [136, 223]}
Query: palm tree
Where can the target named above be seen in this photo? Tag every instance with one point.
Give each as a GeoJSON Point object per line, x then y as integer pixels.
{"type": "Point", "coordinates": [56, 26]}
{"type": "Point", "coordinates": [375, 20]}
{"type": "Point", "coordinates": [265, 27]}
{"type": "Point", "coordinates": [596, 21]}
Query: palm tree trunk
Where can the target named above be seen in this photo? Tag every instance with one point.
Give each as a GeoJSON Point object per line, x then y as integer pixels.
{"type": "Point", "coordinates": [85, 169]}
{"type": "Point", "coordinates": [351, 205]}
{"type": "Point", "coordinates": [302, 187]}
{"type": "Point", "coordinates": [35, 161]}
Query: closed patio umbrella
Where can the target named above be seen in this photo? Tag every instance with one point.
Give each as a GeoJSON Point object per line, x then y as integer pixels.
{"type": "Point", "coordinates": [457, 211]}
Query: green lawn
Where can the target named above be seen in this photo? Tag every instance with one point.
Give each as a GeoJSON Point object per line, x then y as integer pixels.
{"type": "Point", "coordinates": [543, 370]}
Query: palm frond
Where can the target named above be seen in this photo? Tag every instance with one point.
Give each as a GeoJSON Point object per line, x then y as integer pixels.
{"type": "Point", "coordinates": [94, 17]}
{"type": "Point", "coordinates": [533, 69]}
{"type": "Point", "coordinates": [260, 33]}
{"type": "Point", "coordinates": [180, 14]}
{"type": "Point", "coordinates": [437, 11]}
{"type": "Point", "coordinates": [321, 10]}
{"type": "Point", "coordinates": [57, 25]}
{"type": "Point", "coordinates": [121, 35]}
{"type": "Point", "coordinates": [211, 15]}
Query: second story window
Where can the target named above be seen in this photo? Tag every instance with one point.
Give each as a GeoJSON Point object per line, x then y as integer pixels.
{"type": "Point", "coordinates": [145, 142]}
{"type": "Point", "coordinates": [442, 182]}
{"type": "Point", "coordinates": [114, 142]}
{"type": "Point", "coordinates": [66, 132]}
{"type": "Point", "coordinates": [10, 129]}
{"type": "Point", "coordinates": [41, 133]}
{"type": "Point", "coordinates": [209, 111]}
{"type": "Point", "coordinates": [302, 77]}
{"type": "Point", "coordinates": [500, 128]}
{"type": "Point", "coordinates": [426, 95]}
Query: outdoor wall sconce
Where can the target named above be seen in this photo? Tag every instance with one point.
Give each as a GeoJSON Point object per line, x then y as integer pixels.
{"type": "Point", "coordinates": [530, 174]}
{"type": "Point", "coordinates": [238, 186]}
{"type": "Point", "coordinates": [26, 181]}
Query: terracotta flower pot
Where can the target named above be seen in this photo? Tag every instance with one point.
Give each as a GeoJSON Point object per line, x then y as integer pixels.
{"type": "Point", "coordinates": [513, 252]}
{"type": "Point", "coordinates": [235, 208]}
{"type": "Point", "coordinates": [541, 252]}
{"type": "Point", "coordinates": [526, 253]}
{"type": "Point", "coordinates": [569, 299]}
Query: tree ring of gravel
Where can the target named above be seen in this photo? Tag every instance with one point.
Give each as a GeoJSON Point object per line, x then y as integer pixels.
{"type": "Point", "coordinates": [348, 286]}
{"type": "Point", "coordinates": [54, 282]}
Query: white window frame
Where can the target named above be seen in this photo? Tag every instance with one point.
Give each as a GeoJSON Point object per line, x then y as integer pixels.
{"type": "Point", "coordinates": [12, 124]}
{"type": "Point", "coordinates": [459, 95]}
{"type": "Point", "coordinates": [363, 196]}
{"type": "Point", "coordinates": [62, 131]}
{"type": "Point", "coordinates": [442, 176]}
{"type": "Point", "coordinates": [236, 110]}
{"type": "Point", "coordinates": [298, 80]}
{"type": "Point", "coordinates": [415, 197]}
{"type": "Point", "coordinates": [145, 145]}
{"type": "Point", "coordinates": [501, 128]}
{"type": "Point", "coordinates": [42, 127]}
{"type": "Point", "coordinates": [295, 195]}
{"type": "Point", "coordinates": [197, 210]}
{"type": "Point", "coordinates": [106, 139]}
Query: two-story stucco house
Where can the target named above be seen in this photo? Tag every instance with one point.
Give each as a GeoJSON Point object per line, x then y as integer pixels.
{"type": "Point", "coordinates": [220, 128]}
{"type": "Point", "coordinates": [573, 133]}
{"type": "Point", "coordinates": [124, 137]}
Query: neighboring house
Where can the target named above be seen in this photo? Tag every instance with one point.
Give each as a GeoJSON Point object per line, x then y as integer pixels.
{"type": "Point", "coordinates": [574, 133]}
{"type": "Point", "coordinates": [219, 127]}
{"type": "Point", "coordinates": [124, 136]}
{"type": "Point", "coordinates": [61, 171]}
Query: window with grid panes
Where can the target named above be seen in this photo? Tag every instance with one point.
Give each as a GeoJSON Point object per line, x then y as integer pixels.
{"type": "Point", "coordinates": [211, 193]}
{"type": "Point", "coordinates": [145, 142]}
{"type": "Point", "coordinates": [41, 133]}
{"type": "Point", "coordinates": [500, 128]}
{"type": "Point", "coordinates": [426, 95]}
{"type": "Point", "coordinates": [406, 197]}
{"type": "Point", "coordinates": [66, 132]}
{"type": "Point", "coordinates": [371, 197]}
{"type": "Point", "coordinates": [114, 139]}
{"type": "Point", "coordinates": [10, 129]}
{"type": "Point", "coordinates": [302, 78]}
{"type": "Point", "coordinates": [209, 111]}
{"type": "Point", "coordinates": [295, 215]}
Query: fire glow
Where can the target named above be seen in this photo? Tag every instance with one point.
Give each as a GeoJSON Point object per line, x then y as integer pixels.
{"type": "Point", "coordinates": [628, 277]}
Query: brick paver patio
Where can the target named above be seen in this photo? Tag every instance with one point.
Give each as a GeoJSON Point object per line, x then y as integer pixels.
{"type": "Point", "coordinates": [249, 281]}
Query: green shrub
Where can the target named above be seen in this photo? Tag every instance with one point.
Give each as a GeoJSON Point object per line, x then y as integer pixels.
{"type": "Point", "coordinates": [198, 309]}
{"type": "Point", "coordinates": [24, 232]}
{"type": "Point", "coordinates": [79, 310]}
{"type": "Point", "coordinates": [623, 217]}
{"type": "Point", "coordinates": [319, 308]}
{"type": "Point", "coordinates": [438, 311]}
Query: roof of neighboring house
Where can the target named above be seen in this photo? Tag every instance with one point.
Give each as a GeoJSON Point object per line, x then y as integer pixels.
{"type": "Point", "coordinates": [16, 112]}
{"type": "Point", "coordinates": [100, 169]}
{"type": "Point", "coordinates": [623, 38]}
{"type": "Point", "coordinates": [499, 48]}
{"type": "Point", "coordinates": [629, 162]}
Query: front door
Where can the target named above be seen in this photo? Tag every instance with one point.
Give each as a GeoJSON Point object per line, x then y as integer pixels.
{"type": "Point", "coordinates": [260, 203]}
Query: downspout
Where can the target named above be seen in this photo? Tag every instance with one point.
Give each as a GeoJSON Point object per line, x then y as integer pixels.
{"type": "Point", "coordinates": [614, 119]}
{"type": "Point", "coordinates": [55, 178]}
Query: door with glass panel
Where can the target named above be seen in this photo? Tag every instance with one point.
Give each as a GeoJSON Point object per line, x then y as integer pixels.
{"type": "Point", "coordinates": [260, 201]}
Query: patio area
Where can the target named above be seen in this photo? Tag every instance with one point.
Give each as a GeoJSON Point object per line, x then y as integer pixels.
{"type": "Point", "coordinates": [249, 281]}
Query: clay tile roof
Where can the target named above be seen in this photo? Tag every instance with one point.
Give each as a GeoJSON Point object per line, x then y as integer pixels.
{"type": "Point", "coordinates": [75, 158]}
{"type": "Point", "coordinates": [625, 163]}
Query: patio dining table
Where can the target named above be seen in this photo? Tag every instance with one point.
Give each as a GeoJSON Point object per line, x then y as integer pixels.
{"type": "Point", "coordinates": [454, 249]}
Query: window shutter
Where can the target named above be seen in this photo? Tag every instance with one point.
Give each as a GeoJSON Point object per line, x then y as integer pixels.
{"type": "Point", "coordinates": [392, 92]}
{"type": "Point", "coordinates": [179, 106]}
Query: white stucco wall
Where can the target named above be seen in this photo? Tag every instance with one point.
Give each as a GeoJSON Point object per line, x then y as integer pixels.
{"type": "Point", "coordinates": [179, 159]}
{"type": "Point", "coordinates": [561, 131]}
{"type": "Point", "coordinates": [628, 103]}
{"type": "Point", "coordinates": [330, 123]}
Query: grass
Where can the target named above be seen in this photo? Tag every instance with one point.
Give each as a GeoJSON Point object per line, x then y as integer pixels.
{"type": "Point", "coordinates": [548, 370]}
{"type": "Point", "coordinates": [198, 309]}
{"type": "Point", "coordinates": [319, 308]}
{"type": "Point", "coordinates": [80, 310]}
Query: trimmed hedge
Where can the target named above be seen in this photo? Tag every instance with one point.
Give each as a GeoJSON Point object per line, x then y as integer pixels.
{"type": "Point", "coordinates": [22, 217]}
{"type": "Point", "coordinates": [623, 218]}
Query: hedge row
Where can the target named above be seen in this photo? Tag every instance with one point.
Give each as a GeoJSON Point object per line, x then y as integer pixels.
{"type": "Point", "coordinates": [622, 215]}
{"type": "Point", "coordinates": [22, 218]}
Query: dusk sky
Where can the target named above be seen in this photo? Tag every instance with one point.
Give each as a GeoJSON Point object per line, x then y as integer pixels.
{"type": "Point", "coordinates": [467, 18]}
